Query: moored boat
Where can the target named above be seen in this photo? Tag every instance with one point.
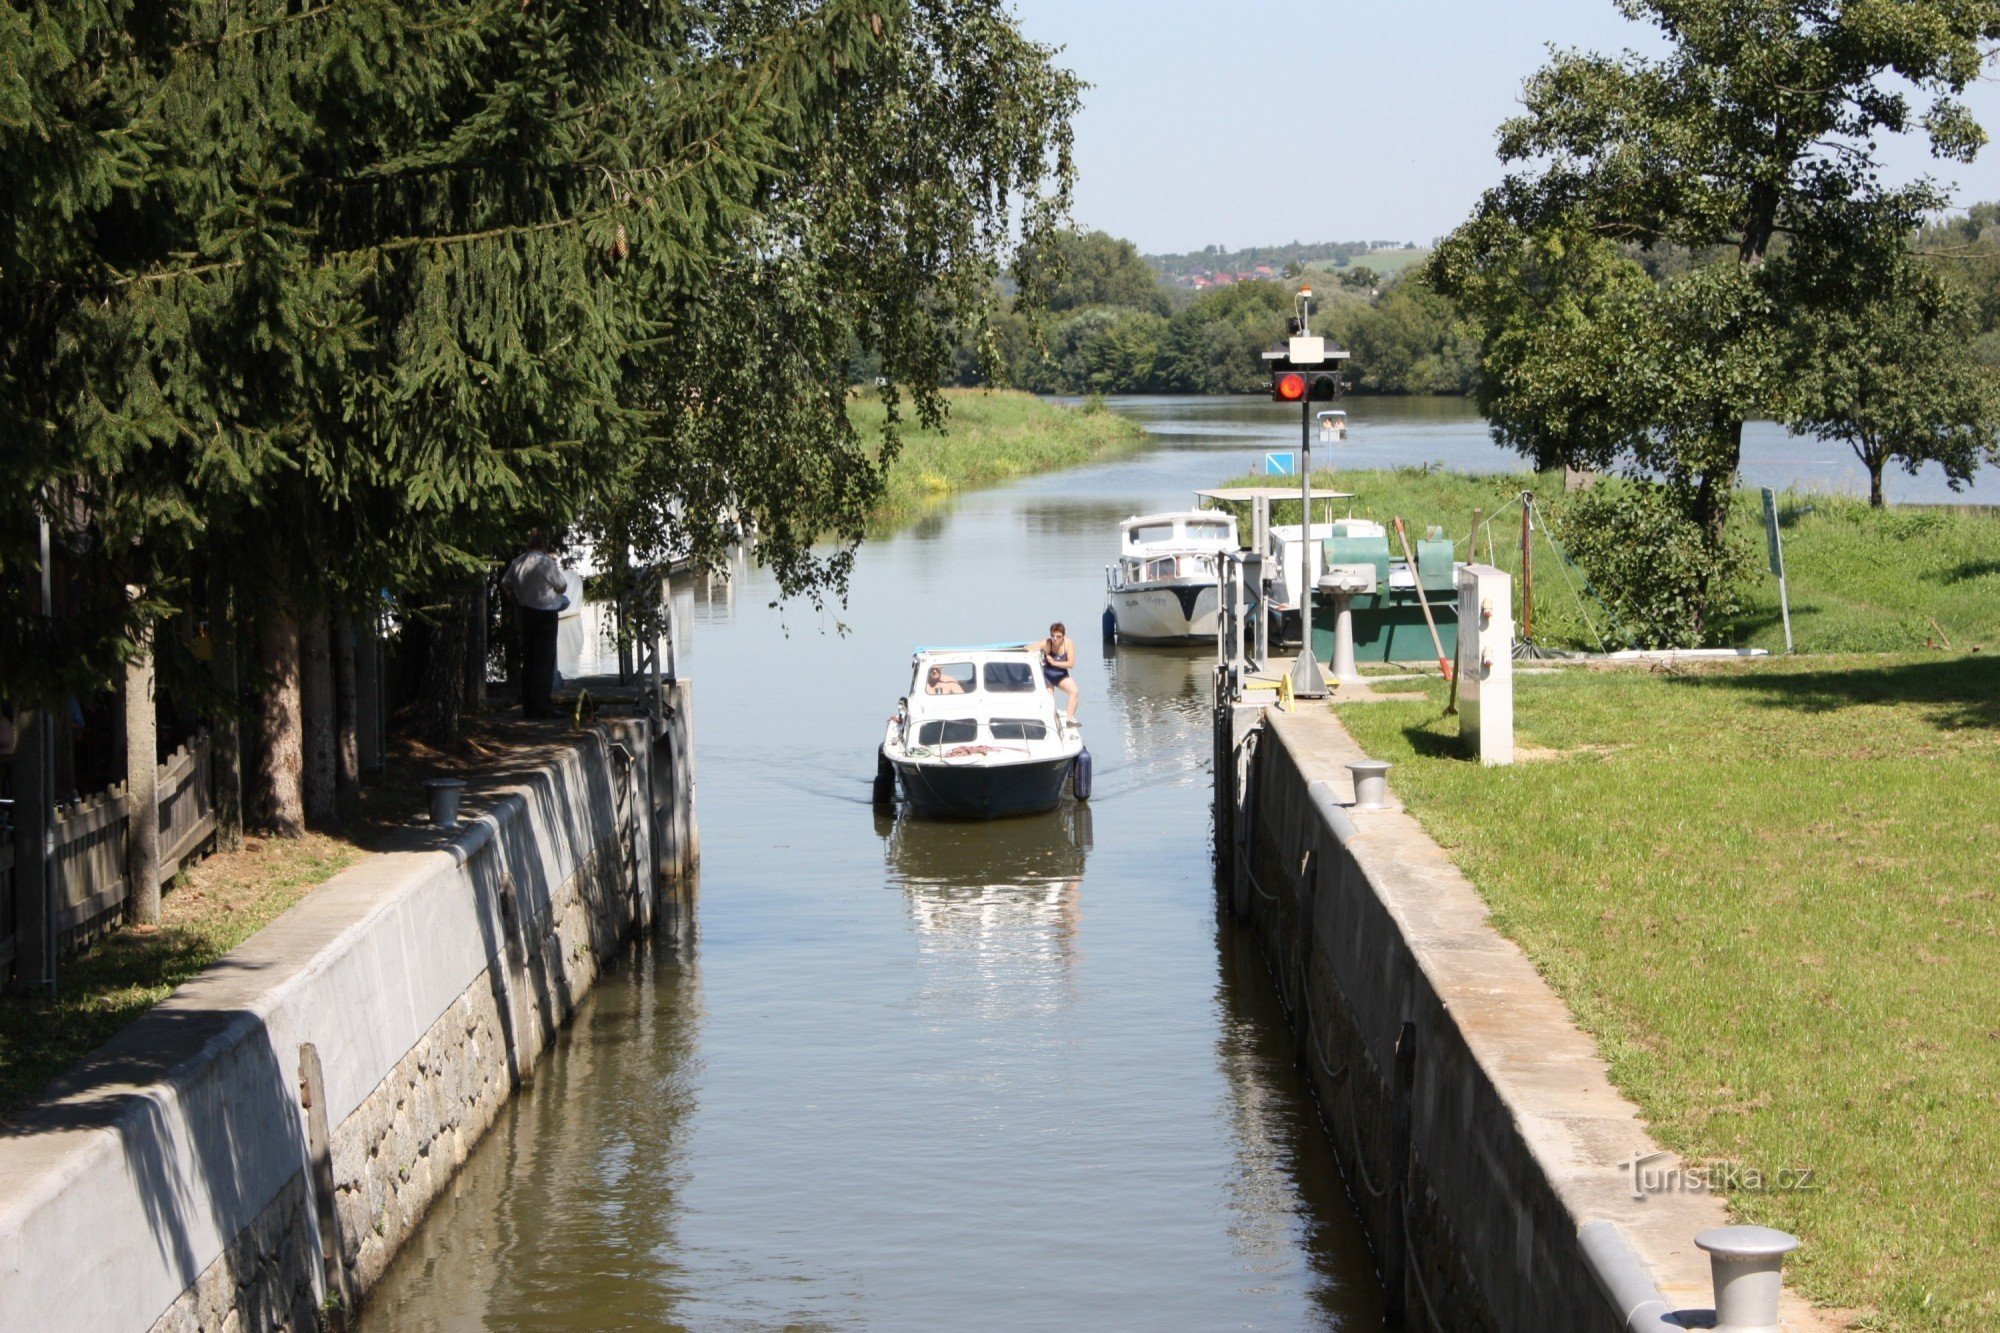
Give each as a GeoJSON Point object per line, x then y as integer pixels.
{"type": "Point", "coordinates": [980, 735]}
{"type": "Point", "coordinates": [1162, 588]}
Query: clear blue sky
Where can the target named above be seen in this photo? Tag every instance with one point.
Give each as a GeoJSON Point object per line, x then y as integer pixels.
{"type": "Point", "coordinates": [1190, 134]}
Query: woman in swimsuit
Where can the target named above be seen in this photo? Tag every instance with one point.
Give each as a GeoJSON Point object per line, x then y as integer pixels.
{"type": "Point", "coordinates": [1058, 660]}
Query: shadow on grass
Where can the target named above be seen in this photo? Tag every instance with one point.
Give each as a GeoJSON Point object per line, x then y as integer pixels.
{"type": "Point", "coordinates": [1960, 692]}
{"type": "Point", "coordinates": [1430, 744]}
{"type": "Point", "coordinates": [1972, 569]}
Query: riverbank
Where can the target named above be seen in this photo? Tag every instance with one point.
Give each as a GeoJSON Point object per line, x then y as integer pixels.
{"type": "Point", "coordinates": [991, 436]}
{"type": "Point", "coordinates": [1768, 896]}
{"type": "Point", "coordinates": [1861, 579]}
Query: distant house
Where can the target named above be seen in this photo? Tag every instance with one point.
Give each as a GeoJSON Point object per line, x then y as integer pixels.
{"type": "Point", "coordinates": [1266, 271]}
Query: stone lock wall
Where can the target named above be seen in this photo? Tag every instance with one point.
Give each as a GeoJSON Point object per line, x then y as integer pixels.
{"type": "Point", "coordinates": [179, 1181]}
{"type": "Point", "coordinates": [1475, 1123]}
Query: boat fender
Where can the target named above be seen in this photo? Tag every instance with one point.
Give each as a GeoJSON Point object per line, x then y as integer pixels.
{"type": "Point", "coordinates": [885, 780]}
{"type": "Point", "coordinates": [1079, 776]}
{"type": "Point", "coordinates": [1110, 625]}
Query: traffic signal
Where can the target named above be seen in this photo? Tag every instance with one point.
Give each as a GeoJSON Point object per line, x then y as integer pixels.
{"type": "Point", "coordinates": [1301, 386]}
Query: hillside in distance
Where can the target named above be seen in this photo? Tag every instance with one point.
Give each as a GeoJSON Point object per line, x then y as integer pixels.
{"type": "Point", "coordinates": [1283, 261]}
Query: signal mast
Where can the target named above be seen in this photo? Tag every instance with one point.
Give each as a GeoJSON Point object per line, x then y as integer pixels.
{"type": "Point", "coordinates": [1305, 371]}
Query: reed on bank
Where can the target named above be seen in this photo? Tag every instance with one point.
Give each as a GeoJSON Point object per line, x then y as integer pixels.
{"type": "Point", "coordinates": [991, 436]}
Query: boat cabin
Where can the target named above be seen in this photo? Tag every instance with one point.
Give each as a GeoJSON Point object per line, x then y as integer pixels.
{"type": "Point", "coordinates": [978, 696]}
{"type": "Point", "coordinates": [1154, 548]}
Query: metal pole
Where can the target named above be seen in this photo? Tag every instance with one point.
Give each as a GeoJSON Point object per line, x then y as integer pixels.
{"type": "Point", "coordinates": [1307, 680]}
{"type": "Point", "coordinates": [50, 886]}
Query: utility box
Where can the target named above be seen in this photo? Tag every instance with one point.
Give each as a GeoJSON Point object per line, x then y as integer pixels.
{"type": "Point", "coordinates": [1486, 662]}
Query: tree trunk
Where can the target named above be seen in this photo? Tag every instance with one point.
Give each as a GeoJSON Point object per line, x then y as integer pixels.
{"type": "Point", "coordinates": [475, 652]}
{"type": "Point", "coordinates": [346, 708]}
{"type": "Point", "coordinates": [317, 780]}
{"type": "Point", "coordinates": [442, 701]}
{"type": "Point", "coordinates": [142, 790]}
{"type": "Point", "coordinates": [225, 728]}
{"type": "Point", "coordinates": [281, 802]}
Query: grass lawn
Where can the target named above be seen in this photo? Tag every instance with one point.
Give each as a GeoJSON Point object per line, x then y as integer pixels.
{"type": "Point", "coordinates": [991, 436]}
{"type": "Point", "coordinates": [1861, 580]}
{"type": "Point", "coordinates": [1770, 891]}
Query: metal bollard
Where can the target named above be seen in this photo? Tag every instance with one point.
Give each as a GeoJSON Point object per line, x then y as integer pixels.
{"type": "Point", "coordinates": [1748, 1265]}
{"type": "Point", "coordinates": [444, 793]}
{"type": "Point", "coordinates": [1371, 783]}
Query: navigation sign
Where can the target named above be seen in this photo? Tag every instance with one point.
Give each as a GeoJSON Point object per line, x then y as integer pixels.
{"type": "Point", "coordinates": [1771, 532]}
{"type": "Point", "coordinates": [1283, 464]}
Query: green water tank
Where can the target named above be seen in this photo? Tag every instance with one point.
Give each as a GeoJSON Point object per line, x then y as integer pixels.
{"type": "Point", "coordinates": [1434, 566]}
{"type": "Point", "coordinates": [1359, 551]}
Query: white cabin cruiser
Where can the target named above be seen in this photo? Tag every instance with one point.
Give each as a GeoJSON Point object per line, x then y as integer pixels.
{"type": "Point", "coordinates": [1163, 588]}
{"type": "Point", "coordinates": [980, 735]}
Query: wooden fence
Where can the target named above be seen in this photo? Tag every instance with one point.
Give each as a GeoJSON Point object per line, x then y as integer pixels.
{"type": "Point", "coordinates": [91, 850]}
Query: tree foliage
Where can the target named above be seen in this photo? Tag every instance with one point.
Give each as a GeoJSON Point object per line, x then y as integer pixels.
{"type": "Point", "coordinates": [1897, 379]}
{"type": "Point", "coordinates": [1748, 151]}
{"type": "Point", "coordinates": [334, 300]}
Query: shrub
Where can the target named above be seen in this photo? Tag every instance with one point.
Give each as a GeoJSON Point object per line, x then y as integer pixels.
{"type": "Point", "coordinates": [1670, 586]}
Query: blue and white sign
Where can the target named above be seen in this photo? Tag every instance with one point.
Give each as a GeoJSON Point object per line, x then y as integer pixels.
{"type": "Point", "coordinates": [1281, 465]}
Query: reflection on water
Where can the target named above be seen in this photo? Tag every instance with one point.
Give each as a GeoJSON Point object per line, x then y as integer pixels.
{"type": "Point", "coordinates": [1017, 917]}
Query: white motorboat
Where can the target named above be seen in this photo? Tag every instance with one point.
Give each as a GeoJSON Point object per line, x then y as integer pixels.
{"type": "Point", "coordinates": [1163, 588]}
{"type": "Point", "coordinates": [980, 735]}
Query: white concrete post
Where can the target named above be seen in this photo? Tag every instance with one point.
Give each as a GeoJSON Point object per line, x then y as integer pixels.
{"type": "Point", "coordinates": [1486, 662]}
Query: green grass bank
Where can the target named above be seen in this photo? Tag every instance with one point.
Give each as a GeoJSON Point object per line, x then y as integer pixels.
{"type": "Point", "coordinates": [1861, 579]}
{"type": "Point", "coordinates": [990, 436]}
{"type": "Point", "coordinates": [1768, 890]}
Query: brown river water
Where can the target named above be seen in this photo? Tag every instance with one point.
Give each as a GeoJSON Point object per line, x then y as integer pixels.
{"type": "Point", "coordinates": [930, 1075]}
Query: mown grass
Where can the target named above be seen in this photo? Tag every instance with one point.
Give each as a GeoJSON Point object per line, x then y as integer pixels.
{"type": "Point", "coordinates": [1861, 579]}
{"type": "Point", "coordinates": [1769, 891]}
{"type": "Point", "coordinates": [991, 436]}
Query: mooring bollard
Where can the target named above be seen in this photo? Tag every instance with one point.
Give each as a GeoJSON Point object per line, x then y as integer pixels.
{"type": "Point", "coordinates": [1371, 783]}
{"type": "Point", "coordinates": [444, 794]}
{"type": "Point", "coordinates": [1748, 1264]}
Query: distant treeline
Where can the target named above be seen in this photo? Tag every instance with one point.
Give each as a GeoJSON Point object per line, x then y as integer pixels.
{"type": "Point", "coordinates": [1113, 327]}
{"type": "Point", "coordinates": [1282, 259]}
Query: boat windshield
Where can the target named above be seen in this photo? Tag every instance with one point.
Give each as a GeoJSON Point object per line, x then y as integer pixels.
{"type": "Point", "coordinates": [1208, 530]}
{"type": "Point", "coordinates": [1009, 678]}
{"type": "Point", "coordinates": [1017, 729]}
{"type": "Point", "coordinates": [958, 731]}
{"type": "Point", "coordinates": [950, 678]}
{"type": "Point", "coordinates": [1147, 533]}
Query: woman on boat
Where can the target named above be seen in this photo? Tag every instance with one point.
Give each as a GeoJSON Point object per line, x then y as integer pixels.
{"type": "Point", "coordinates": [1058, 660]}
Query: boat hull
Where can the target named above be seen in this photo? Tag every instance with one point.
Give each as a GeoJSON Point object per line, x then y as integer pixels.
{"type": "Point", "coordinates": [1174, 613]}
{"type": "Point", "coordinates": [979, 791]}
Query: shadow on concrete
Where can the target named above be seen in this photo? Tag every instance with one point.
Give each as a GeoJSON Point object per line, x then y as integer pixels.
{"type": "Point", "coordinates": [244, 1141]}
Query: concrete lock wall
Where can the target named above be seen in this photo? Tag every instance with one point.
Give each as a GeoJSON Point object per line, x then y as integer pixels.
{"type": "Point", "coordinates": [1475, 1123]}
{"type": "Point", "coordinates": [256, 1148]}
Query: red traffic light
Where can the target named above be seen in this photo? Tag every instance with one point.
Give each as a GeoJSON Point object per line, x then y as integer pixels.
{"type": "Point", "coordinates": [1288, 387]}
